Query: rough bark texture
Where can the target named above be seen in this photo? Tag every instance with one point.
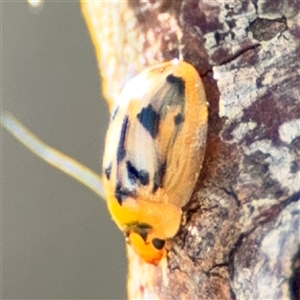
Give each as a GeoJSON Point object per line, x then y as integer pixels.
{"type": "Point", "coordinates": [241, 236]}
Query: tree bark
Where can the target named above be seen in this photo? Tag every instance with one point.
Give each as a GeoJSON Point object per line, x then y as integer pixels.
{"type": "Point", "coordinates": [241, 236]}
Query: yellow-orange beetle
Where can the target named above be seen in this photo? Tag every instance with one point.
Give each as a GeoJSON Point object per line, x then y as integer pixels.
{"type": "Point", "coordinates": [154, 148]}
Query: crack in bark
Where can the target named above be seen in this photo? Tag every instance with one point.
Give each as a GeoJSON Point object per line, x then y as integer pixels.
{"type": "Point", "coordinates": [293, 198]}
{"type": "Point", "coordinates": [273, 211]}
{"type": "Point", "coordinates": [232, 253]}
{"type": "Point", "coordinates": [202, 75]}
{"type": "Point", "coordinates": [232, 293]}
{"type": "Point", "coordinates": [255, 6]}
{"type": "Point", "coordinates": [215, 266]}
{"type": "Point", "coordinates": [294, 280]}
{"type": "Point", "coordinates": [230, 192]}
{"type": "Point", "coordinates": [219, 265]}
{"type": "Point", "coordinates": [239, 53]}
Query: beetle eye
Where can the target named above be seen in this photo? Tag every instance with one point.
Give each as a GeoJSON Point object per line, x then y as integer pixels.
{"type": "Point", "coordinates": [158, 244]}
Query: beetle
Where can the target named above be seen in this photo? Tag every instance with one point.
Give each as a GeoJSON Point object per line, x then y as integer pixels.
{"type": "Point", "coordinates": [154, 146]}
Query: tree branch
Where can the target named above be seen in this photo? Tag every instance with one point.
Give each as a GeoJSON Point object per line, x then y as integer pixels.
{"type": "Point", "coordinates": [241, 236]}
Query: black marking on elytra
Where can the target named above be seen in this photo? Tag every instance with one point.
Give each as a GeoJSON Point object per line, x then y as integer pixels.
{"type": "Point", "coordinates": [107, 171]}
{"type": "Point", "coordinates": [135, 226]}
{"type": "Point", "coordinates": [159, 176]}
{"type": "Point", "coordinates": [121, 152]}
{"type": "Point", "coordinates": [122, 194]}
{"type": "Point", "coordinates": [114, 113]}
{"type": "Point", "coordinates": [143, 234]}
{"type": "Point", "coordinates": [178, 82]}
{"type": "Point", "coordinates": [142, 229]}
{"type": "Point", "coordinates": [134, 174]}
{"type": "Point", "coordinates": [178, 119]}
{"type": "Point", "coordinates": [150, 119]}
{"type": "Point", "coordinates": [158, 243]}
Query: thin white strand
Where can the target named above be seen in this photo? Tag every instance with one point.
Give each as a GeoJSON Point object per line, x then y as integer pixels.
{"type": "Point", "coordinates": [52, 156]}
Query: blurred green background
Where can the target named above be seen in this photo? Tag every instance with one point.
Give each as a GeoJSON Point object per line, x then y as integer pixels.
{"type": "Point", "coordinates": [58, 240]}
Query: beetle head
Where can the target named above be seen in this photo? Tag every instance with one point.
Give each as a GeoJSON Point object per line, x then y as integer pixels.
{"type": "Point", "coordinates": [148, 247]}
